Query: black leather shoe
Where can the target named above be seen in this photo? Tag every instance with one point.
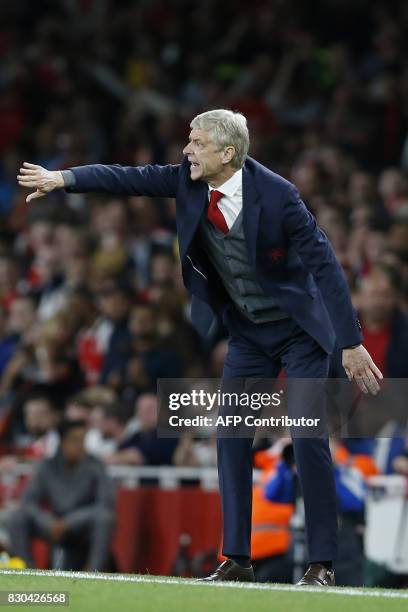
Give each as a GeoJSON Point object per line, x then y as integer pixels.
{"type": "Point", "coordinates": [317, 575]}
{"type": "Point", "coordinates": [229, 570]}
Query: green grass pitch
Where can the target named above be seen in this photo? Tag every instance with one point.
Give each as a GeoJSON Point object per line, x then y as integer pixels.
{"type": "Point", "coordinates": [123, 593]}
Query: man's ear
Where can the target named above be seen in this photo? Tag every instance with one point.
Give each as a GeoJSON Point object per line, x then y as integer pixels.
{"type": "Point", "coordinates": [228, 155]}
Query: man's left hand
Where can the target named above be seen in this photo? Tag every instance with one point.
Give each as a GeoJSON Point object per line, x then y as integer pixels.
{"type": "Point", "coordinates": [358, 365]}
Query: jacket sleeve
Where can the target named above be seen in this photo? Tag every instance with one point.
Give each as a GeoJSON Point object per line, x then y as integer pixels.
{"type": "Point", "coordinates": [316, 252]}
{"type": "Point", "coordinates": [155, 181]}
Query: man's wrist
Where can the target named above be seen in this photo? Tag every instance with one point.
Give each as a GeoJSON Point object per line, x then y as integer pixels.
{"type": "Point", "coordinates": [68, 178]}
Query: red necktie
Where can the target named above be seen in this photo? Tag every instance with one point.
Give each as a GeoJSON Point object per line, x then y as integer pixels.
{"type": "Point", "coordinates": [214, 214]}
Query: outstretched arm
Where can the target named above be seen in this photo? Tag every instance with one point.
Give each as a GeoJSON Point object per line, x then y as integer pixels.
{"type": "Point", "coordinates": [151, 180]}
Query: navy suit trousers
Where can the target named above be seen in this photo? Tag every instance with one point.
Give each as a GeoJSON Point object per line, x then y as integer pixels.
{"type": "Point", "coordinates": [260, 351]}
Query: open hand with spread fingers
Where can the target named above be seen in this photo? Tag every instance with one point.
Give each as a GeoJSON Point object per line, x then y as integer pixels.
{"type": "Point", "coordinates": [359, 365]}
{"type": "Point", "coordinates": [36, 177]}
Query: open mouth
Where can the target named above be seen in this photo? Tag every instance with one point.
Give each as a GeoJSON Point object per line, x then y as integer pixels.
{"type": "Point", "coordinates": [194, 164]}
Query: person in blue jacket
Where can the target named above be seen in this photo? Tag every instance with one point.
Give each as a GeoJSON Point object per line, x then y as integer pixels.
{"type": "Point", "coordinates": [351, 491]}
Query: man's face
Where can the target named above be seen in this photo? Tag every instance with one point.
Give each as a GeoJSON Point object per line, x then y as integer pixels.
{"type": "Point", "coordinates": [114, 304]}
{"type": "Point", "coordinates": [146, 411]}
{"type": "Point", "coordinates": [38, 416]}
{"type": "Point", "coordinates": [73, 445]}
{"type": "Point", "coordinates": [206, 161]}
{"type": "Point", "coordinates": [142, 322]}
{"type": "Point", "coordinates": [378, 298]}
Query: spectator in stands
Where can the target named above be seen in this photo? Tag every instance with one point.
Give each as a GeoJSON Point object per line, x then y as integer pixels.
{"type": "Point", "coordinates": [140, 447]}
{"type": "Point", "coordinates": [351, 472]}
{"type": "Point", "coordinates": [40, 438]}
{"type": "Point", "coordinates": [385, 330]}
{"type": "Point", "coordinates": [393, 187]}
{"type": "Point", "coordinates": [400, 464]}
{"type": "Point", "coordinates": [8, 341]}
{"type": "Point", "coordinates": [79, 506]}
{"type": "Point", "coordinates": [398, 235]}
{"type": "Point", "coordinates": [272, 509]}
{"type": "Point", "coordinates": [110, 223]}
{"type": "Point", "coordinates": [88, 406]}
{"type": "Point", "coordinates": [385, 327]}
{"type": "Point", "coordinates": [9, 276]}
{"type": "Point", "coordinates": [104, 343]}
{"type": "Point", "coordinates": [110, 423]}
{"type": "Point", "coordinates": [148, 238]}
{"type": "Point", "coordinates": [271, 549]}
{"type": "Point", "coordinates": [115, 302]}
{"type": "Point", "coordinates": [50, 287]}
{"type": "Point", "coordinates": [149, 357]}
{"type": "Point", "coordinates": [29, 430]}
{"type": "Point", "coordinates": [175, 330]}
{"type": "Point", "coordinates": [45, 355]}
{"type": "Point", "coordinates": [18, 331]}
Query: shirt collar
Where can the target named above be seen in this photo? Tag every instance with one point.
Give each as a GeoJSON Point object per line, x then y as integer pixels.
{"type": "Point", "coordinates": [231, 186]}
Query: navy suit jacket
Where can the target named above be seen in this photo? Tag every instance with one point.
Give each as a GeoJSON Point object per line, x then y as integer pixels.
{"type": "Point", "coordinates": [292, 258]}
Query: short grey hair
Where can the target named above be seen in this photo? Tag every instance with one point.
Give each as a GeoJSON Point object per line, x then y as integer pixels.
{"type": "Point", "coordinates": [225, 128]}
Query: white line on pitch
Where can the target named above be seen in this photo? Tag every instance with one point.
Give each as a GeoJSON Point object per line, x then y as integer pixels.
{"type": "Point", "coordinates": [353, 592]}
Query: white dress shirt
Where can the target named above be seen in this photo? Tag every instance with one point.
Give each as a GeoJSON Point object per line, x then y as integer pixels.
{"type": "Point", "coordinates": [231, 203]}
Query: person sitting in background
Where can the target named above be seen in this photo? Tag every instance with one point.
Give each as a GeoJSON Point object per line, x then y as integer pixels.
{"type": "Point", "coordinates": [272, 557]}
{"type": "Point", "coordinates": [9, 276]}
{"type": "Point", "coordinates": [88, 406]}
{"type": "Point", "coordinates": [385, 330]}
{"type": "Point", "coordinates": [384, 325]}
{"type": "Point", "coordinates": [80, 506]}
{"type": "Point", "coordinates": [40, 437]}
{"type": "Point", "coordinates": [351, 473]}
{"type": "Point", "coordinates": [400, 463]}
{"type": "Point", "coordinates": [18, 332]}
{"type": "Point", "coordinates": [149, 357]}
{"type": "Point", "coordinates": [50, 287]}
{"type": "Point", "coordinates": [160, 360]}
{"type": "Point", "coordinates": [7, 341]}
{"type": "Point", "coordinates": [111, 420]}
{"type": "Point", "coordinates": [115, 302]}
{"type": "Point", "coordinates": [35, 438]}
{"type": "Point", "coordinates": [273, 505]}
{"type": "Point", "coordinates": [43, 353]}
{"type": "Point", "coordinates": [141, 447]}
{"type": "Point", "coordinates": [105, 336]}
{"type": "Point", "coordinates": [175, 329]}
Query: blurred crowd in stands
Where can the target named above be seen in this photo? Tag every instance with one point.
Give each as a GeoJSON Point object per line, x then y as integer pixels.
{"type": "Point", "coordinates": [92, 305]}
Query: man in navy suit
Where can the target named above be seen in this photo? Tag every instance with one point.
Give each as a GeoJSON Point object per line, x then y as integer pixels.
{"type": "Point", "coordinates": [252, 254]}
